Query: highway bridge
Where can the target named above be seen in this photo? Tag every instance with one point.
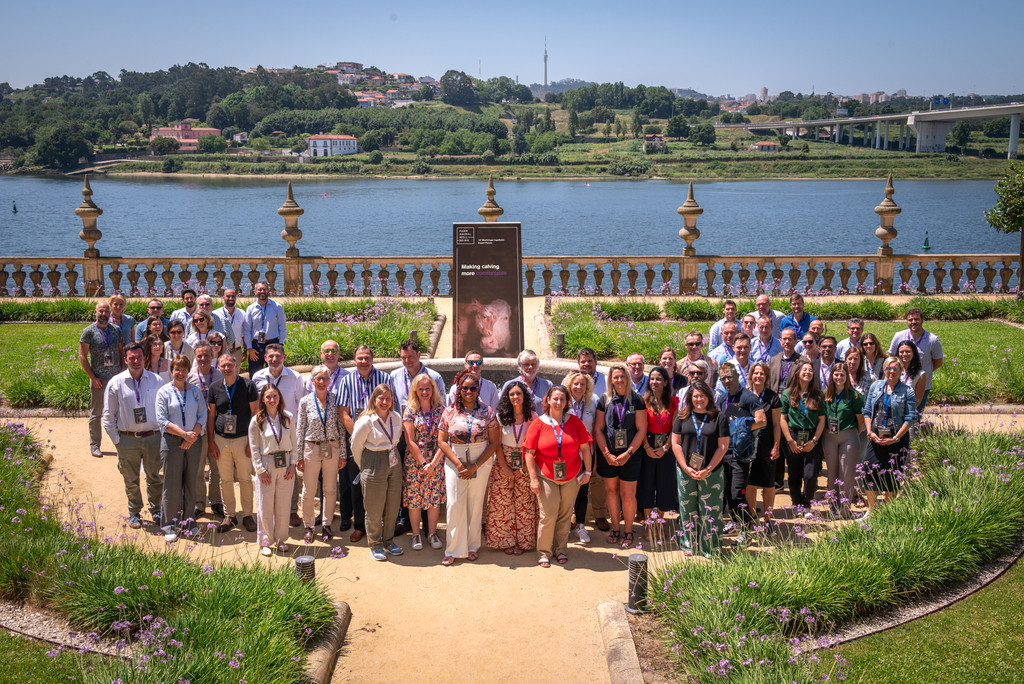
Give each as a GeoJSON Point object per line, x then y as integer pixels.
{"type": "Point", "coordinates": [920, 131]}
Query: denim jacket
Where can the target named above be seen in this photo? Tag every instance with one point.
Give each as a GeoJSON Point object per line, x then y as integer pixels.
{"type": "Point", "coordinates": [903, 406]}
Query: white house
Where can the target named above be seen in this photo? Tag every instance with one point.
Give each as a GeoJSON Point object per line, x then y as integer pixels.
{"type": "Point", "coordinates": [327, 145]}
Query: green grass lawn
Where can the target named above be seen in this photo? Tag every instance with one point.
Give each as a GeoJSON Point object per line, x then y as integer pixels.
{"type": "Point", "coordinates": [983, 358]}
{"type": "Point", "coordinates": [26, 661]}
{"type": "Point", "coordinates": [977, 640]}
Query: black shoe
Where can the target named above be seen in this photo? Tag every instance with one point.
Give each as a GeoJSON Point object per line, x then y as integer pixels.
{"type": "Point", "coordinates": [345, 525]}
{"type": "Point", "coordinates": [198, 512]}
{"type": "Point", "coordinates": [318, 520]}
{"type": "Point", "coordinates": [401, 527]}
{"type": "Point", "coordinates": [218, 510]}
{"type": "Point", "coordinates": [156, 518]}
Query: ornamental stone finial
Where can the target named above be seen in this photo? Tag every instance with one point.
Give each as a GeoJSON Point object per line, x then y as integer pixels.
{"type": "Point", "coordinates": [689, 211]}
{"type": "Point", "coordinates": [89, 212]}
{"type": "Point", "coordinates": [291, 212]}
{"type": "Point", "coordinates": [490, 210]}
{"type": "Point", "coordinates": [887, 212]}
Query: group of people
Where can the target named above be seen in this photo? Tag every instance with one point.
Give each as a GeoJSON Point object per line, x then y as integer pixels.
{"type": "Point", "coordinates": [516, 468]}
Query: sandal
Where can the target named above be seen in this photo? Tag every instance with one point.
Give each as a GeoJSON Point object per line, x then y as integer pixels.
{"type": "Point", "coordinates": [544, 562]}
{"type": "Point", "coordinates": [472, 556]}
{"type": "Point", "coordinates": [613, 537]}
{"type": "Point", "coordinates": [510, 550]}
{"type": "Point", "coordinates": [561, 558]}
{"type": "Point", "coordinates": [627, 540]}
{"type": "Point", "coordinates": [447, 560]}
{"type": "Point", "coordinates": [517, 551]}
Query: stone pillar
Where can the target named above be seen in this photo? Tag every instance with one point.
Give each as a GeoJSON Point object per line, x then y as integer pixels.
{"type": "Point", "coordinates": [490, 209]}
{"type": "Point", "coordinates": [92, 270]}
{"type": "Point", "coordinates": [885, 232]}
{"type": "Point", "coordinates": [1011, 152]}
{"type": "Point", "coordinates": [688, 265]}
{"type": "Point", "coordinates": [878, 135]}
{"type": "Point", "coordinates": [291, 234]}
{"type": "Point", "coordinates": [886, 146]}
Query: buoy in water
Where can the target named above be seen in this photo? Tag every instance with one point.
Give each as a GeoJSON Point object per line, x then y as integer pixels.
{"type": "Point", "coordinates": [15, 208]}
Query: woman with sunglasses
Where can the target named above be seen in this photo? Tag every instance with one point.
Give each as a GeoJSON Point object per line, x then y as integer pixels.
{"type": "Point", "coordinates": [177, 345]}
{"type": "Point", "coordinates": [202, 326]}
{"type": "Point", "coordinates": [468, 435]}
{"type": "Point", "coordinates": [874, 355]}
{"type": "Point", "coordinates": [890, 411]}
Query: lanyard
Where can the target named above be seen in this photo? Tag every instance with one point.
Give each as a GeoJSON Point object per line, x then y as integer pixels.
{"type": "Point", "coordinates": [277, 383]}
{"type": "Point", "coordinates": [620, 412]}
{"type": "Point", "coordinates": [428, 419]}
{"type": "Point", "coordinates": [106, 339]}
{"type": "Point", "coordinates": [365, 390]}
{"type": "Point", "coordinates": [835, 403]}
{"type": "Point", "coordinates": [917, 342]}
{"type": "Point", "coordinates": [138, 384]}
{"type": "Point", "coordinates": [273, 431]}
{"type": "Point", "coordinates": [785, 372]}
{"type": "Point", "coordinates": [321, 414]}
{"type": "Point", "coordinates": [334, 380]}
{"type": "Point", "coordinates": [764, 356]}
{"type": "Point", "coordinates": [578, 408]}
{"type": "Point", "coordinates": [559, 433]}
{"type": "Point", "coordinates": [824, 372]}
{"type": "Point", "coordinates": [698, 429]}
{"type": "Point", "coordinates": [231, 393]}
{"type": "Point", "coordinates": [202, 384]}
{"type": "Point", "coordinates": [176, 353]}
{"type": "Point", "coordinates": [263, 317]}
{"type": "Point", "coordinates": [182, 401]}
{"type": "Point", "coordinates": [518, 434]}
{"type": "Point", "coordinates": [469, 419]}
{"type": "Point", "coordinates": [803, 410]}
{"type": "Point", "coordinates": [659, 421]}
{"type": "Point", "coordinates": [533, 385]}
{"type": "Point", "coordinates": [887, 399]}
{"type": "Point", "coordinates": [389, 430]}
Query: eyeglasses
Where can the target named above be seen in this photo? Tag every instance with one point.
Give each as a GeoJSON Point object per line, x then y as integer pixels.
{"type": "Point", "coordinates": [894, 369]}
{"type": "Point", "coordinates": [693, 344]}
{"type": "Point", "coordinates": [827, 346]}
{"type": "Point", "coordinates": [470, 388]}
{"type": "Point", "coordinates": [175, 332]}
{"type": "Point", "coordinates": [475, 363]}
{"type": "Point", "coordinates": [155, 307]}
{"type": "Point", "coordinates": [809, 342]}
{"type": "Point", "coordinates": [696, 374]}
{"type": "Point", "coordinates": [330, 351]}
{"type": "Point", "coordinates": [869, 343]}
{"type": "Point", "coordinates": [215, 343]}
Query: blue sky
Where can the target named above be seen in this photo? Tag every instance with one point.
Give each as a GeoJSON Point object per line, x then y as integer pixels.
{"type": "Point", "coordinates": [734, 47]}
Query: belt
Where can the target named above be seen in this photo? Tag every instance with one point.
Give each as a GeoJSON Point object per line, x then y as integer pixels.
{"type": "Point", "coordinates": [144, 433]}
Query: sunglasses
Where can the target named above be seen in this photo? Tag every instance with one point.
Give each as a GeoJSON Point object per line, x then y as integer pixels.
{"type": "Point", "coordinates": [472, 388]}
{"type": "Point", "coordinates": [693, 344]}
{"type": "Point", "coordinates": [475, 363]}
{"type": "Point", "coordinates": [175, 332]}
{"type": "Point", "coordinates": [331, 351]}
{"type": "Point", "coordinates": [809, 342]}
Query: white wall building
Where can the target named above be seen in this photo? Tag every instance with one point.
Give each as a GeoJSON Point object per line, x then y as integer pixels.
{"type": "Point", "coordinates": [327, 145]}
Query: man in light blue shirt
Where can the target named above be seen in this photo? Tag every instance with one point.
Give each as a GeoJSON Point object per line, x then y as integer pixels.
{"type": "Point", "coordinates": [636, 364]}
{"type": "Point", "coordinates": [401, 378]}
{"type": "Point", "coordinates": [764, 346]}
{"type": "Point", "coordinates": [765, 310]}
{"type": "Point", "coordinates": [264, 324]}
{"type": "Point", "coordinates": [724, 352]}
{"type": "Point", "coordinates": [154, 308]}
{"type": "Point", "coordinates": [184, 314]}
{"type": "Point", "coordinates": [235, 320]}
{"type": "Point", "coordinates": [715, 334]}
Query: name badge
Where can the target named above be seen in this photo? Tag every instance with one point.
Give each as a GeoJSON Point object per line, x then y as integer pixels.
{"type": "Point", "coordinates": [695, 461]}
{"type": "Point", "coordinates": [108, 359]}
{"type": "Point", "coordinates": [325, 450]}
{"type": "Point", "coordinates": [619, 438]}
{"type": "Point", "coordinates": [516, 457]}
{"type": "Point", "coordinates": [559, 470]}
{"type": "Point", "coordinates": [884, 432]}
{"type": "Point", "coordinates": [140, 414]}
{"type": "Point", "coordinates": [280, 459]}
{"type": "Point", "coordinates": [466, 464]}
{"type": "Point", "coordinates": [261, 337]}
{"type": "Point", "coordinates": [803, 436]}
{"type": "Point", "coordinates": [659, 440]}
{"type": "Point", "coordinates": [833, 425]}
{"type": "Point", "coordinates": [230, 424]}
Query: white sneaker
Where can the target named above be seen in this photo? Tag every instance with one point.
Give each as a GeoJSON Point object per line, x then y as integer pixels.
{"type": "Point", "coordinates": [435, 541]}
{"type": "Point", "coordinates": [265, 551]}
{"type": "Point", "coordinates": [171, 537]}
{"type": "Point", "coordinates": [581, 532]}
{"type": "Point", "coordinates": [417, 542]}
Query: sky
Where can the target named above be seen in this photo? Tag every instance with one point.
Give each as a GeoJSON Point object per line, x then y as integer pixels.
{"type": "Point", "coordinates": [733, 47]}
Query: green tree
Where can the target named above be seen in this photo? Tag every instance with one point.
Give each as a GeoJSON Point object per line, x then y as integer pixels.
{"type": "Point", "coordinates": [163, 145]}
{"type": "Point", "coordinates": [519, 144]}
{"type": "Point", "coordinates": [61, 148]}
{"type": "Point", "coordinates": [960, 135]}
{"type": "Point", "coordinates": [369, 141]}
{"type": "Point", "coordinates": [1007, 216]}
{"type": "Point", "coordinates": [620, 127]}
{"type": "Point", "coordinates": [259, 144]}
{"type": "Point", "coordinates": [375, 157]}
{"type": "Point", "coordinates": [144, 103]}
{"type": "Point", "coordinates": [574, 121]}
{"type": "Point", "coordinates": [677, 127]}
{"type": "Point", "coordinates": [457, 88]}
{"type": "Point", "coordinates": [636, 123]}
{"type": "Point", "coordinates": [702, 134]}
{"type": "Point", "coordinates": [427, 93]}
{"type": "Point", "coordinates": [211, 143]}
{"type": "Point", "coordinates": [608, 129]}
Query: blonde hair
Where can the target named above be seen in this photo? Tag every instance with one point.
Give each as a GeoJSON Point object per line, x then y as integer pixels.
{"type": "Point", "coordinates": [413, 402]}
{"type": "Point", "coordinates": [371, 403]}
{"type": "Point", "coordinates": [588, 391]}
{"type": "Point", "coordinates": [610, 391]}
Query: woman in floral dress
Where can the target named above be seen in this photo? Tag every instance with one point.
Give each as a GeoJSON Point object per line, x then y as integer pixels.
{"type": "Point", "coordinates": [424, 487]}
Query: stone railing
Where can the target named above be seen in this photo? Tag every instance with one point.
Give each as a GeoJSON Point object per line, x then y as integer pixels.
{"type": "Point", "coordinates": [431, 276]}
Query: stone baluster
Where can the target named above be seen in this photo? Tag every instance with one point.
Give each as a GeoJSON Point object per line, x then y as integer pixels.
{"type": "Point", "coordinates": [649, 275]}
{"type": "Point", "coordinates": [218, 279]}
{"type": "Point", "coordinates": [70, 277]}
{"type": "Point", "coordinates": [666, 275]}
{"type": "Point", "coordinates": [332, 280]}
{"type": "Point", "coordinates": [972, 276]}
{"type": "Point", "coordinates": [3, 280]}
{"type": "Point", "coordinates": [955, 274]}
{"type": "Point", "coordinates": [291, 234]}
{"type": "Point", "coordinates": [435, 281]}
{"type": "Point", "coordinates": [688, 266]}
{"type": "Point", "coordinates": [115, 276]}
{"type": "Point", "coordinates": [598, 280]}
{"type": "Point", "coordinates": [761, 274]}
{"type": "Point", "coordinates": [989, 274]}
{"type": "Point", "coordinates": [36, 276]}
{"type": "Point", "coordinates": [92, 270]}
{"type": "Point", "coordinates": [581, 278]}
{"type": "Point", "coordinates": [1005, 274]}
{"type": "Point", "coordinates": [19, 280]}
{"type": "Point", "coordinates": [922, 276]}
{"type": "Point", "coordinates": [887, 211]}
{"type": "Point", "coordinates": [827, 274]}
{"type": "Point", "coordinates": [271, 278]}
{"type": "Point", "coordinates": [202, 276]}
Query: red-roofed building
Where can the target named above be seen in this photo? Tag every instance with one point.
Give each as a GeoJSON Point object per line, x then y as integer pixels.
{"type": "Point", "coordinates": [766, 146]}
{"type": "Point", "coordinates": [328, 145]}
{"type": "Point", "coordinates": [183, 132]}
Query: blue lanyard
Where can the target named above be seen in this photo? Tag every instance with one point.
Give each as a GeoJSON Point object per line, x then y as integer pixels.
{"type": "Point", "coordinates": [334, 380]}
{"type": "Point", "coordinates": [559, 433]}
{"type": "Point", "coordinates": [322, 414]}
{"type": "Point", "coordinates": [699, 429]}
{"type": "Point", "coordinates": [886, 401]}
{"type": "Point", "coordinates": [231, 393]}
{"type": "Point", "coordinates": [803, 410]}
{"type": "Point", "coordinates": [182, 401]}
{"type": "Point", "coordinates": [835, 402]}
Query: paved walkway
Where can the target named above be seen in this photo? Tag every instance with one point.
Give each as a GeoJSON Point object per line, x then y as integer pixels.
{"type": "Point", "coordinates": [414, 620]}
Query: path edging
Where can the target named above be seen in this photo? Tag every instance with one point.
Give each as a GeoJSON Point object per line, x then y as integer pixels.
{"type": "Point", "coordinates": [619, 647]}
{"type": "Point", "coordinates": [323, 658]}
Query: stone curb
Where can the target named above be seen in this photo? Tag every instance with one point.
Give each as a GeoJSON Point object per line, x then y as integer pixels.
{"type": "Point", "coordinates": [619, 648]}
{"type": "Point", "coordinates": [322, 659]}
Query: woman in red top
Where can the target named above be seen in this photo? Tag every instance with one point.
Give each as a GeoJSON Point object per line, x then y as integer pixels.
{"type": "Point", "coordinates": [558, 460]}
{"type": "Point", "coordinates": [657, 485]}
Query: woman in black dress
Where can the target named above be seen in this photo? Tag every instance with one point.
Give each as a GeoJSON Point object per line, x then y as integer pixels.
{"type": "Point", "coordinates": [767, 452]}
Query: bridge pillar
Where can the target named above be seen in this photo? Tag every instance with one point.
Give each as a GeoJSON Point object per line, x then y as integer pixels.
{"type": "Point", "coordinates": [903, 128]}
{"type": "Point", "coordinates": [886, 135]}
{"type": "Point", "coordinates": [878, 135]}
{"type": "Point", "coordinates": [931, 135]}
{"type": "Point", "coordinates": [1011, 152]}
{"type": "Point", "coordinates": [867, 135]}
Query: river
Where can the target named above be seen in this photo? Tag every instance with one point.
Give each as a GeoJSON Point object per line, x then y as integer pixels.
{"type": "Point", "coordinates": [189, 216]}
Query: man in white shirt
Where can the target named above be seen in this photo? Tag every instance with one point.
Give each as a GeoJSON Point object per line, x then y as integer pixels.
{"type": "Point", "coordinates": [205, 375]}
{"type": "Point", "coordinates": [205, 303]}
{"type": "Point", "coordinates": [929, 348]}
{"type": "Point", "coordinates": [724, 351]}
{"type": "Point", "coordinates": [184, 314]}
{"type": "Point", "coordinates": [489, 394]}
{"type": "Point", "coordinates": [826, 360]}
{"type": "Point", "coordinates": [264, 324]}
{"type": "Point", "coordinates": [715, 335]}
{"type": "Point", "coordinates": [529, 364]}
{"type": "Point", "coordinates": [330, 352]}
{"type": "Point", "coordinates": [235, 319]}
{"type": "Point", "coordinates": [740, 361]}
{"type": "Point", "coordinates": [129, 419]}
{"type": "Point", "coordinates": [854, 328]}
{"type": "Point", "coordinates": [764, 346]}
{"type": "Point", "coordinates": [587, 360]}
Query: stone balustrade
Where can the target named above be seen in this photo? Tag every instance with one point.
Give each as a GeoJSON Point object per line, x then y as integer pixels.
{"type": "Point", "coordinates": [688, 273]}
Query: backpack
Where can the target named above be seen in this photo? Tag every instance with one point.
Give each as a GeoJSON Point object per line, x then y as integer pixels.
{"type": "Point", "coordinates": [741, 438]}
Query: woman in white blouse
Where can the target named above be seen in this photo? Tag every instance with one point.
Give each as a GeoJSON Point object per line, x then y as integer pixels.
{"type": "Point", "coordinates": [321, 450]}
{"type": "Point", "coordinates": [272, 443]}
{"type": "Point", "coordinates": [202, 326]}
{"type": "Point", "coordinates": [375, 437]}
{"type": "Point", "coordinates": [181, 414]}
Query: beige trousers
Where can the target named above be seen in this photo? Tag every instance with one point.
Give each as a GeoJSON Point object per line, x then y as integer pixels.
{"type": "Point", "coordinates": [556, 502]}
{"type": "Point", "coordinates": [233, 463]}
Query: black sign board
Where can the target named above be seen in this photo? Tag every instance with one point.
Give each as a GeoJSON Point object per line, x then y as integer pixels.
{"type": "Point", "coordinates": [487, 260]}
